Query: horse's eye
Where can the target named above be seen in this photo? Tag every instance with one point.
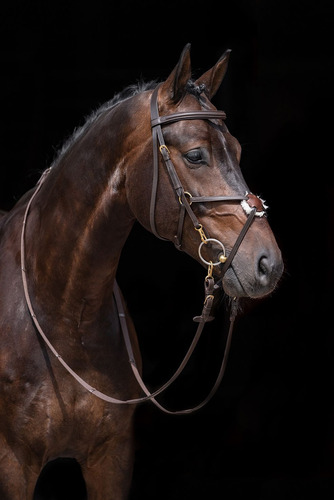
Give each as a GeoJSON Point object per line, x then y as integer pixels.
{"type": "Point", "coordinates": [195, 157]}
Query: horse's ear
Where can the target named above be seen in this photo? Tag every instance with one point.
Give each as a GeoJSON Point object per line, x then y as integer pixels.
{"type": "Point", "coordinates": [174, 87]}
{"type": "Point", "coordinates": [214, 76]}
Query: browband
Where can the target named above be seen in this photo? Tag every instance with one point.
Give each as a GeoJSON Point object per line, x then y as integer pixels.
{"type": "Point", "coordinates": [188, 115]}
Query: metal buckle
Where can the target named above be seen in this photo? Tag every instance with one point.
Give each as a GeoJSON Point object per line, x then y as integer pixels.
{"type": "Point", "coordinates": [186, 193]}
{"type": "Point", "coordinates": [163, 146]}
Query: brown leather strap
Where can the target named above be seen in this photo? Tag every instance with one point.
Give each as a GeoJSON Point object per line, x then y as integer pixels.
{"type": "Point", "coordinates": [224, 267]}
{"type": "Point", "coordinates": [226, 199]}
{"type": "Point", "coordinates": [123, 323]}
{"type": "Point", "coordinates": [203, 319]}
{"type": "Point", "coordinates": [160, 146]}
{"type": "Point", "coordinates": [188, 115]}
{"type": "Point", "coordinates": [238, 242]}
{"type": "Point", "coordinates": [126, 336]}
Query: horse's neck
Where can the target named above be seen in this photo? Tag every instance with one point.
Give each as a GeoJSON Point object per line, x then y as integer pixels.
{"type": "Point", "coordinates": [76, 229]}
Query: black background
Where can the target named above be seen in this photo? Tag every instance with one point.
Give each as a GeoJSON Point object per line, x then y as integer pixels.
{"type": "Point", "coordinates": [269, 432]}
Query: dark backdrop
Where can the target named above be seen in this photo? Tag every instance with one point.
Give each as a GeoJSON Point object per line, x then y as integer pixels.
{"type": "Point", "coordinates": [269, 432]}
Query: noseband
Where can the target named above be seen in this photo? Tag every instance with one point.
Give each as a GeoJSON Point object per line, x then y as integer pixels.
{"type": "Point", "coordinates": [251, 204]}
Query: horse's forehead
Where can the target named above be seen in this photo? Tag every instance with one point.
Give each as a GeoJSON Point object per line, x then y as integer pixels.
{"type": "Point", "coordinates": [185, 130]}
{"type": "Point", "coordinates": [193, 103]}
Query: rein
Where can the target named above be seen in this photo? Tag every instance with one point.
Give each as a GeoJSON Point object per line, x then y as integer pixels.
{"type": "Point", "coordinates": [186, 199]}
{"type": "Point", "coordinates": [204, 318]}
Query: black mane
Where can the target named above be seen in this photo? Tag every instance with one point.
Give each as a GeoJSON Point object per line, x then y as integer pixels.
{"type": "Point", "coordinates": [126, 93]}
{"type": "Point", "coordinates": [194, 89]}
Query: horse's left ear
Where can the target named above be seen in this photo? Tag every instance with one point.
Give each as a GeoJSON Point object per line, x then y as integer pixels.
{"type": "Point", "coordinates": [214, 76]}
{"type": "Point", "coordinates": [174, 87]}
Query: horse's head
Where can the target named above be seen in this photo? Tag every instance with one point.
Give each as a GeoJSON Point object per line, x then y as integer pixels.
{"type": "Point", "coordinates": [199, 198]}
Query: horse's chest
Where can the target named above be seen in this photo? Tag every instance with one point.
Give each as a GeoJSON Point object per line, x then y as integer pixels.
{"type": "Point", "coordinates": [79, 426]}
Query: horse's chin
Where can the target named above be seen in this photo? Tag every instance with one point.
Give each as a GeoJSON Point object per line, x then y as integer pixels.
{"type": "Point", "coordinates": [245, 286]}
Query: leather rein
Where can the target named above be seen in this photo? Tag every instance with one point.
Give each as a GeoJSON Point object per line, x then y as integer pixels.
{"type": "Point", "coordinates": [253, 208]}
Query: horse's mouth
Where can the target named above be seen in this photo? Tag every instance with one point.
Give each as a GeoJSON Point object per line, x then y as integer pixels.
{"type": "Point", "coordinates": [244, 285]}
{"type": "Point", "coordinates": [232, 285]}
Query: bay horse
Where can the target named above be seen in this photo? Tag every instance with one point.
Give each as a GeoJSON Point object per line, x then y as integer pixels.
{"type": "Point", "coordinates": [60, 246]}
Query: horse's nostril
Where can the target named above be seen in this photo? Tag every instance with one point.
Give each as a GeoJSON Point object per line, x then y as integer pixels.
{"type": "Point", "coordinates": [269, 269]}
{"type": "Point", "coordinates": [264, 268]}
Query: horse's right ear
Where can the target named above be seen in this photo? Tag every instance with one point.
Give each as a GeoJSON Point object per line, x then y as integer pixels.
{"type": "Point", "coordinates": [175, 86]}
{"type": "Point", "coordinates": [213, 78]}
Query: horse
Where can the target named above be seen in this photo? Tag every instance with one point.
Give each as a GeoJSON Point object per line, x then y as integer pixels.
{"type": "Point", "coordinates": [61, 341]}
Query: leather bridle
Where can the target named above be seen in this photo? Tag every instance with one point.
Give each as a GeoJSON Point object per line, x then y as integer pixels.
{"type": "Point", "coordinates": [254, 207]}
